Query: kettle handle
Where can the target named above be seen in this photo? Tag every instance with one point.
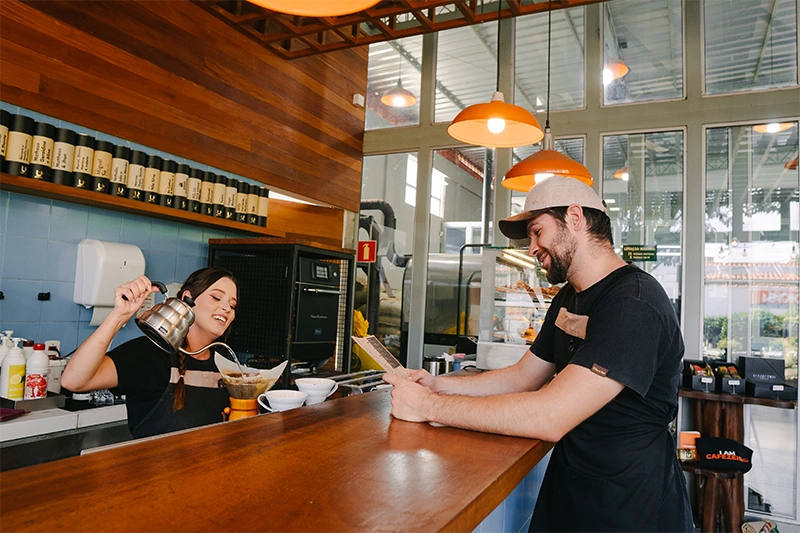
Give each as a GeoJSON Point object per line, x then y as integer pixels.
{"type": "Point", "coordinates": [161, 287]}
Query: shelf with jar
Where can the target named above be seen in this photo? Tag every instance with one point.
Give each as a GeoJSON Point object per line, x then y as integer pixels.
{"type": "Point", "coordinates": [40, 159]}
{"type": "Point", "coordinates": [514, 302]}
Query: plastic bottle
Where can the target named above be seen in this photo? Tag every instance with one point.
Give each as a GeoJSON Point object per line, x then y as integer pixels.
{"type": "Point", "coordinates": [12, 385]}
{"type": "Point", "coordinates": [27, 348]}
{"type": "Point", "coordinates": [36, 372]}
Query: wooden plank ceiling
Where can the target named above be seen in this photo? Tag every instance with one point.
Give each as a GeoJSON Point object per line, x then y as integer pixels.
{"type": "Point", "coordinates": [292, 36]}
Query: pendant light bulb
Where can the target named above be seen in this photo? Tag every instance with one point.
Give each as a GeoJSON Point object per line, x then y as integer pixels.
{"type": "Point", "coordinates": [496, 125]}
{"type": "Point", "coordinates": [734, 242]}
{"type": "Point", "coordinates": [793, 255]}
{"type": "Point", "coordinates": [541, 176]}
{"type": "Point", "coordinates": [614, 69]}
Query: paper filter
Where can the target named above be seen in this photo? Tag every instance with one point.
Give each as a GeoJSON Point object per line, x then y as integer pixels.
{"type": "Point", "coordinates": [255, 381]}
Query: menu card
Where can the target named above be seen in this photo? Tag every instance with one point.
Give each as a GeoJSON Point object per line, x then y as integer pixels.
{"type": "Point", "coordinates": [382, 356]}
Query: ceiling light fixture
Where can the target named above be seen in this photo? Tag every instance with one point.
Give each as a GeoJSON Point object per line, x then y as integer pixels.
{"type": "Point", "coordinates": [614, 69]}
{"type": "Point", "coordinates": [496, 124]}
{"type": "Point", "coordinates": [622, 174]}
{"type": "Point", "coordinates": [399, 97]}
{"type": "Point", "coordinates": [316, 8]}
{"type": "Point", "coordinates": [791, 165]}
{"type": "Point", "coordinates": [773, 127]}
{"type": "Point", "coordinates": [547, 162]}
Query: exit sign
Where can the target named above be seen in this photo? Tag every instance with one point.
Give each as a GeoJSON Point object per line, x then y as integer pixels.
{"type": "Point", "coordinates": [367, 251]}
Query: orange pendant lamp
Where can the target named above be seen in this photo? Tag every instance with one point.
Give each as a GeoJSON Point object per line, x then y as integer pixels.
{"type": "Point", "coordinates": [791, 165]}
{"type": "Point", "coordinates": [614, 69]}
{"type": "Point", "coordinates": [547, 162]}
{"type": "Point", "coordinates": [496, 124]}
{"type": "Point", "coordinates": [399, 97]}
{"type": "Point", "coordinates": [316, 8]}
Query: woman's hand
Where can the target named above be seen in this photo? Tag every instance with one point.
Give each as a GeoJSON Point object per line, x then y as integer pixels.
{"type": "Point", "coordinates": [129, 297]}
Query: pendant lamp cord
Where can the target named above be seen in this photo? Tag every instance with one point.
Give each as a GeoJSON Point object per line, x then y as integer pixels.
{"type": "Point", "coordinates": [549, 22]}
{"type": "Point", "coordinates": [499, 7]}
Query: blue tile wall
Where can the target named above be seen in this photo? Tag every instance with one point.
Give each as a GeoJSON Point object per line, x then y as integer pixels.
{"type": "Point", "coordinates": [513, 515]}
{"type": "Point", "coordinates": [38, 252]}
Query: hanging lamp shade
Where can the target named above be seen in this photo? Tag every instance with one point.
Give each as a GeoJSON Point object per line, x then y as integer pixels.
{"type": "Point", "coordinates": [399, 97]}
{"type": "Point", "coordinates": [496, 125]}
{"type": "Point", "coordinates": [316, 8]}
{"type": "Point", "coordinates": [791, 165]}
{"type": "Point", "coordinates": [544, 164]}
{"type": "Point", "coordinates": [773, 127]}
{"type": "Point", "coordinates": [622, 174]}
{"type": "Point", "coordinates": [614, 69]}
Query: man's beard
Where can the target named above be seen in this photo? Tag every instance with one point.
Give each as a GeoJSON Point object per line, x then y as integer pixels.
{"type": "Point", "coordinates": [561, 254]}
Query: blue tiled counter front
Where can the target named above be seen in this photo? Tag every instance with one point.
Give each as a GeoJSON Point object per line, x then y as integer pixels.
{"type": "Point", "coordinates": [514, 514]}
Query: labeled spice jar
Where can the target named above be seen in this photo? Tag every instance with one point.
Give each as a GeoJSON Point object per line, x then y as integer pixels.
{"type": "Point", "coordinates": [166, 185]}
{"type": "Point", "coordinates": [220, 184]}
{"type": "Point", "coordinates": [119, 171]}
{"type": "Point", "coordinates": [152, 178]}
{"type": "Point", "coordinates": [42, 151]}
{"type": "Point", "coordinates": [231, 188]}
{"type": "Point", "coordinates": [101, 168]}
{"type": "Point", "coordinates": [252, 205]}
{"type": "Point", "coordinates": [194, 191]}
{"type": "Point", "coordinates": [5, 122]}
{"type": "Point", "coordinates": [263, 201]}
{"type": "Point", "coordinates": [136, 175]}
{"type": "Point", "coordinates": [63, 156]}
{"type": "Point", "coordinates": [84, 157]}
{"type": "Point", "coordinates": [207, 193]}
{"type": "Point", "coordinates": [181, 187]}
{"type": "Point", "coordinates": [18, 150]}
{"type": "Point", "coordinates": [241, 202]}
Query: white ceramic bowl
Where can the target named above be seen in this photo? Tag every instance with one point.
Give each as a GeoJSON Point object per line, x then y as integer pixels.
{"type": "Point", "coordinates": [318, 389]}
{"type": "Point", "coordinates": [282, 400]}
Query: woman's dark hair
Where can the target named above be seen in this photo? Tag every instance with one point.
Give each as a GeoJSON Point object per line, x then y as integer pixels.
{"type": "Point", "coordinates": [197, 283]}
{"type": "Point", "coordinates": [597, 223]}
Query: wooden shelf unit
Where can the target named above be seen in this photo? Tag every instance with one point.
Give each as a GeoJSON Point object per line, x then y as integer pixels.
{"type": "Point", "coordinates": [54, 191]}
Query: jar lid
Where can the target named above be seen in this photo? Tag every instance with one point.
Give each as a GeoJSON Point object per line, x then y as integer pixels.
{"type": "Point", "coordinates": [38, 346]}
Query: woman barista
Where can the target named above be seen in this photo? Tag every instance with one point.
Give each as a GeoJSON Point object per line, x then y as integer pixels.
{"type": "Point", "coordinates": [163, 392]}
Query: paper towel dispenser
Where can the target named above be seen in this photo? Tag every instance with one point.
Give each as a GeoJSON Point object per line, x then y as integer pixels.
{"type": "Point", "coordinates": [102, 267]}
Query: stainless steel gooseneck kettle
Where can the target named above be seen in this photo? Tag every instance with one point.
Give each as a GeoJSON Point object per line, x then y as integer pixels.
{"type": "Point", "coordinates": [168, 323]}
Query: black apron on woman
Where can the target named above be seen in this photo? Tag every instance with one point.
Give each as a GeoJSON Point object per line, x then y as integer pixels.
{"type": "Point", "coordinates": [148, 376]}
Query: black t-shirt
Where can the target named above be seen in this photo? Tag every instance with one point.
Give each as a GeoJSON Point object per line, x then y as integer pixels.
{"type": "Point", "coordinates": [143, 372]}
{"type": "Point", "coordinates": [625, 328]}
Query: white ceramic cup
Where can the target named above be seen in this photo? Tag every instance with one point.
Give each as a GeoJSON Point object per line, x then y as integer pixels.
{"type": "Point", "coordinates": [282, 400]}
{"type": "Point", "coordinates": [318, 389]}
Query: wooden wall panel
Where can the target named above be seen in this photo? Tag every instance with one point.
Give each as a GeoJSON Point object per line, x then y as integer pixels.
{"type": "Point", "coordinates": [170, 75]}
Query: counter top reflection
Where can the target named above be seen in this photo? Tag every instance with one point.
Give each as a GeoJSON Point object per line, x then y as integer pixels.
{"type": "Point", "coordinates": [343, 465]}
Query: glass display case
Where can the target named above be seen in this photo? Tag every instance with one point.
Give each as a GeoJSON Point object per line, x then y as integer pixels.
{"type": "Point", "coordinates": [515, 296]}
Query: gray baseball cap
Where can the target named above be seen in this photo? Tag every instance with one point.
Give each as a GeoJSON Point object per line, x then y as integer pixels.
{"type": "Point", "coordinates": [556, 191]}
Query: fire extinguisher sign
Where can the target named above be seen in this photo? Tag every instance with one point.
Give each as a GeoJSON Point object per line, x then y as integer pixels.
{"type": "Point", "coordinates": [367, 251]}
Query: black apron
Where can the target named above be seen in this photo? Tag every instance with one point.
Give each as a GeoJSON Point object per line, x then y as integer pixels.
{"type": "Point", "coordinates": [571, 500]}
{"type": "Point", "coordinates": [205, 399]}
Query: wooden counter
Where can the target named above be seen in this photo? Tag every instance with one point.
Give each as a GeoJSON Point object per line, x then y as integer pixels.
{"type": "Point", "coordinates": [343, 465]}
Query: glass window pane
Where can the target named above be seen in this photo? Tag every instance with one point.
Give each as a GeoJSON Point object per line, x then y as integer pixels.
{"type": "Point", "coordinates": [643, 188]}
{"type": "Point", "coordinates": [379, 286]}
{"type": "Point", "coordinates": [567, 61]}
{"type": "Point", "coordinates": [390, 63]}
{"type": "Point", "coordinates": [458, 222]}
{"type": "Point", "coordinates": [750, 45]}
{"type": "Point", "coordinates": [572, 147]}
{"type": "Point", "coordinates": [647, 39]}
{"type": "Point", "coordinates": [466, 68]}
{"type": "Point", "coordinates": [752, 282]}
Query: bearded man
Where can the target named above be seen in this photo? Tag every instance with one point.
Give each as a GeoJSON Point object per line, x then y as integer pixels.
{"type": "Point", "coordinates": [601, 378]}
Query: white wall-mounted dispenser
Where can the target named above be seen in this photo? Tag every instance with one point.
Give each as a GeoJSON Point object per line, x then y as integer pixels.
{"type": "Point", "coordinates": [102, 267]}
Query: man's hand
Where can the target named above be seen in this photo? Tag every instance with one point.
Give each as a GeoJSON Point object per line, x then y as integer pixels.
{"type": "Point", "coordinates": [408, 397]}
{"type": "Point", "coordinates": [424, 378]}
